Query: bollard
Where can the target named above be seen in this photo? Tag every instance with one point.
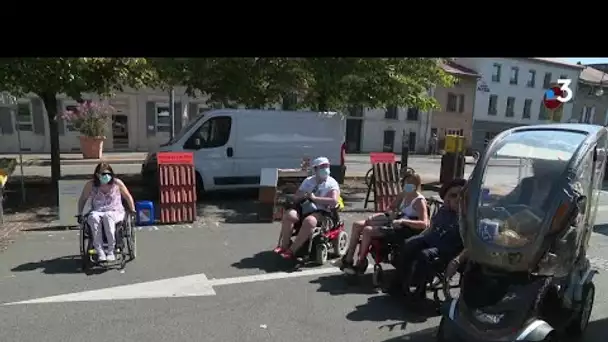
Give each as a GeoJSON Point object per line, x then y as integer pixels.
{"type": "Point", "coordinates": [405, 155]}
{"type": "Point", "coordinates": [453, 161]}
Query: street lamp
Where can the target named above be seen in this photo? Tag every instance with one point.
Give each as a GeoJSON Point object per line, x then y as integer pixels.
{"type": "Point", "coordinates": [14, 103]}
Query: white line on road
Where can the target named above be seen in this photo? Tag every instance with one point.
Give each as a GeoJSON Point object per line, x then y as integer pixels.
{"type": "Point", "coordinates": [196, 285]}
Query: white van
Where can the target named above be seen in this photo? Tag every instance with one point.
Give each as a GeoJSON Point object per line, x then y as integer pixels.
{"type": "Point", "coordinates": [231, 146]}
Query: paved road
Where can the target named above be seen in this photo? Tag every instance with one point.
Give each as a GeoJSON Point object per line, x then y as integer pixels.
{"type": "Point", "coordinates": [236, 292]}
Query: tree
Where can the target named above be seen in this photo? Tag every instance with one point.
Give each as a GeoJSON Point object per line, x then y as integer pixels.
{"type": "Point", "coordinates": [335, 83]}
{"type": "Point", "coordinates": [250, 81]}
{"type": "Point", "coordinates": [319, 83]}
{"type": "Point", "coordinates": [49, 77]}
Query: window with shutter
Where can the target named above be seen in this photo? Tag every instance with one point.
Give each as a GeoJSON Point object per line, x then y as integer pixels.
{"type": "Point", "coordinates": [163, 117]}
{"type": "Point", "coordinates": [25, 120]}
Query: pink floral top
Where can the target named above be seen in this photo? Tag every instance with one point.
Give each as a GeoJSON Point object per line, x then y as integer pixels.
{"type": "Point", "coordinates": [106, 201]}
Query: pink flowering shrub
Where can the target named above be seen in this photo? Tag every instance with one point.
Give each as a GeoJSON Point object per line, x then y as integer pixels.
{"type": "Point", "coordinates": [90, 118]}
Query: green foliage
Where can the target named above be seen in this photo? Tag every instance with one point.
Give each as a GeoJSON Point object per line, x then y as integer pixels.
{"type": "Point", "coordinates": [48, 77]}
{"type": "Point", "coordinates": [319, 83]}
{"type": "Point", "coordinates": [74, 76]}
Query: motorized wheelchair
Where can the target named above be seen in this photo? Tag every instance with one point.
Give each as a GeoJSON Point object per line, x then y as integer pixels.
{"type": "Point", "coordinates": [125, 242]}
{"type": "Point", "coordinates": [328, 238]}
{"type": "Point", "coordinates": [385, 249]}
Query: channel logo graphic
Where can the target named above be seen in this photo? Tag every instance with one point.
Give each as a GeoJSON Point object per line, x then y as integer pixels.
{"type": "Point", "coordinates": [557, 95]}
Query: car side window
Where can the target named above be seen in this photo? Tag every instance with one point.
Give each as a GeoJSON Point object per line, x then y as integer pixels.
{"type": "Point", "coordinates": [213, 133]}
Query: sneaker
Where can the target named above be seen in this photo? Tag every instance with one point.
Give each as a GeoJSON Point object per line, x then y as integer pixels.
{"type": "Point", "coordinates": [111, 257]}
{"type": "Point", "coordinates": [278, 250]}
{"type": "Point", "coordinates": [101, 255]}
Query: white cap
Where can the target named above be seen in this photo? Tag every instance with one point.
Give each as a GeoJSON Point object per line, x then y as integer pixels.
{"type": "Point", "coordinates": [320, 161]}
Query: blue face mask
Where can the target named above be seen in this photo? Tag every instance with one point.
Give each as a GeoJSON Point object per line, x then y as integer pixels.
{"type": "Point", "coordinates": [323, 173]}
{"type": "Point", "coordinates": [409, 188]}
{"type": "Point", "coordinates": [105, 179]}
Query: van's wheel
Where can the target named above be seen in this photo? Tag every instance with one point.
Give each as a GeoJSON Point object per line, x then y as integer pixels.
{"type": "Point", "coordinates": [340, 244]}
{"type": "Point", "coordinates": [200, 187]}
{"type": "Point", "coordinates": [321, 253]}
{"type": "Point", "coordinates": [580, 322]}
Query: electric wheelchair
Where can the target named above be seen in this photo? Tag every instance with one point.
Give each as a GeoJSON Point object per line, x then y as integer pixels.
{"type": "Point", "coordinates": [328, 238]}
{"type": "Point", "coordinates": [125, 242]}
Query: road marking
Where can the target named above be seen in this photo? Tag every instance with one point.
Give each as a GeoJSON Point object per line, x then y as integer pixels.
{"type": "Point", "coordinates": [189, 286]}
{"type": "Point", "coordinates": [196, 285]}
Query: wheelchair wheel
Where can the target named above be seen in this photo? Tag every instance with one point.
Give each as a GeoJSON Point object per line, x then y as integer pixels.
{"type": "Point", "coordinates": [378, 275]}
{"type": "Point", "coordinates": [131, 242]}
{"type": "Point", "coordinates": [84, 248]}
{"type": "Point", "coordinates": [340, 244]}
{"type": "Point", "coordinates": [321, 253]}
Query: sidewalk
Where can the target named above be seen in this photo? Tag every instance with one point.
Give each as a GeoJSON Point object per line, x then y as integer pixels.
{"type": "Point", "coordinates": [76, 158]}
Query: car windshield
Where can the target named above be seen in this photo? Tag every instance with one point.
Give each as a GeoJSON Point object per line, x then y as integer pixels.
{"type": "Point", "coordinates": [517, 182]}
{"type": "Point", "coordinates": [185, 129]}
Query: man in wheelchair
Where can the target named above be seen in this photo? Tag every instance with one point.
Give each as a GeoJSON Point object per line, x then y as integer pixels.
{"type": "Point", "coordinates": [423, 255]}
{"type": "Point", "coordinates": [315, 198]}
{"type": "Point", "coordinates": [105, 192]}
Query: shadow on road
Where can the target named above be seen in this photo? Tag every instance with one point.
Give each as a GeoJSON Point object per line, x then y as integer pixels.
{"type": "Point", "coordinates": [63, 265]}
{"type": "Point", "coordinates": [267, 261]}
{"type": "Point", "coordinates": [424, 335]}
{"type": "Point", "coordinates": [340, 284]}
{"type": "Point", "coordinates": [601, 229]}
{"type": "Point", "coordinates": [596, 332]}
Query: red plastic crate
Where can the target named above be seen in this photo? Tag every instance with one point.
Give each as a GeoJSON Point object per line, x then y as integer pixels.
{"type": "Point", "coordinates": [177, 184]}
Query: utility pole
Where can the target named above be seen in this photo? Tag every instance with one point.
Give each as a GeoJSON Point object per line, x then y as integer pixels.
{"type": "Point", "coordinates": [172, 112]}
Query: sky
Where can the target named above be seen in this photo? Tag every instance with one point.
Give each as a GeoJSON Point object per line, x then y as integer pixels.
{"type": "Point", "coordinates": [584, 60]}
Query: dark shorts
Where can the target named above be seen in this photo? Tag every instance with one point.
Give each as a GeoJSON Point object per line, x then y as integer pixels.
{"type": "Point", "coordinates": [323, 216]}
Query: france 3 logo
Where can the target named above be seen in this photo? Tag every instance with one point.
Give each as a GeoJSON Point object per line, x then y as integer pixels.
{"type": "Point", "coordinates": [558, 94]}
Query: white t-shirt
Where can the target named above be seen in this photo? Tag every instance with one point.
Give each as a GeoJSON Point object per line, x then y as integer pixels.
{"type": "Point", "coordinates": [322, 189]}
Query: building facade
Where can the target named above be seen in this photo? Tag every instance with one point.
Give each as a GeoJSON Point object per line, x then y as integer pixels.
{"type": "Point", "coordinates": [141, 121]}
{"type": "Point", "coordinates": [510, 93]}
{"type": "Point", "coordinates": [455, 112]}
{"type": "Point", "coordinates": [386, 129]}
{"type": "Point", "coordinates": [591, 99]}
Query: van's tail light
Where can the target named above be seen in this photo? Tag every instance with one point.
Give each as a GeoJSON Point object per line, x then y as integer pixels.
{"type": "Point", "coordinates": [343, 154]}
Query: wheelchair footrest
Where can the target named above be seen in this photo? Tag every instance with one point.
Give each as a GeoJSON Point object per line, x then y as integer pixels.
{"type": "Point", "coordinates": [92, 251]}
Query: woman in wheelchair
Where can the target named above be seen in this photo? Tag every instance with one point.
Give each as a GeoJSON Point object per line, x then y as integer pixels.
{"type": "Point", "coordinates": [411, 218]}
{"type": "Point", "coordinates": [106, 193]}
{"type": "Point", "coordinates": [323, 193]}
{"type": "Point", "coordinates": [440, 244]}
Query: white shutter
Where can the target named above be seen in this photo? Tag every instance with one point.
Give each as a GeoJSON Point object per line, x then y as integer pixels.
{"type": "Point", "coordinates": [592, 115]}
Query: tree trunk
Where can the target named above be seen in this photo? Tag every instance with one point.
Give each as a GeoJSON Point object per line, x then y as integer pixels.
{"type": "Point", "coordinates": [322, 104]}
{"type": "Point", "coordinates": [50, 103]}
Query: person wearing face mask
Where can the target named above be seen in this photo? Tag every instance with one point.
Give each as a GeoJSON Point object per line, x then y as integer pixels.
{"type": "Point", "coordinates": [323, 193]}
{"type": "Point", "coordinates": [442, 241]}
{"type": "Point", "coordinates": [412, 218]}
{"type": "Point", "coordinates": [105, 193]}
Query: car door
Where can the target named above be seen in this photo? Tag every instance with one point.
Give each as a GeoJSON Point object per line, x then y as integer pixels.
{"type": "Point", "coordinates": [212, 144]}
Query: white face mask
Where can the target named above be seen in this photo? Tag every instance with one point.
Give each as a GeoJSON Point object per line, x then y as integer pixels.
{"type": "Point", "coordinates": [323, 173]}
